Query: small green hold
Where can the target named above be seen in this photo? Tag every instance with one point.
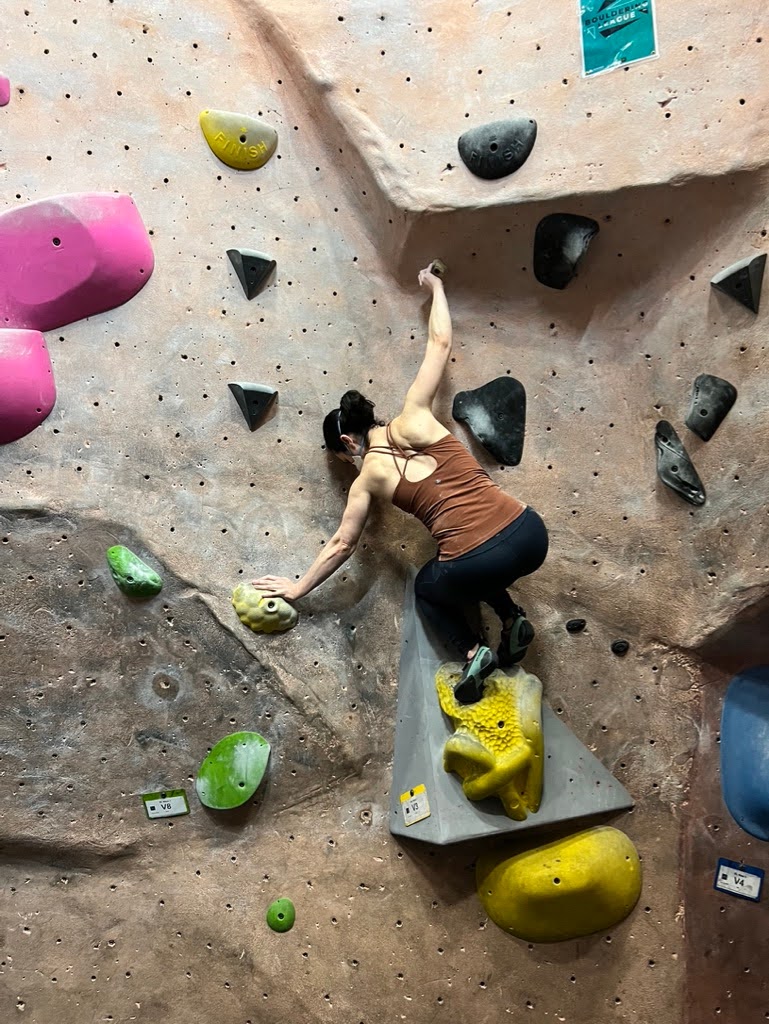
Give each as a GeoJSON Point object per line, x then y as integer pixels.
{"type": "Point", "coordinates": [132, 575]}
{"type": "Point", "coordinates": [281, 915]}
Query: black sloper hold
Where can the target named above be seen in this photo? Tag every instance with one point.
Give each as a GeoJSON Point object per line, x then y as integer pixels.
{"type": "Point", "coordinates": [560, 242]}
{"type": "Point", "coordinates": [620, 648]}
{"type": "Point", "coordinates": [494, 150]}
{"type": "Point", "coordinates": [575, 625]}
{"type": "Point", "coordinates": [255, 401]}
{"type": "Point", "coordinates": [712, 398]}
{"type": "Point", "coordinates": [674, 467]}
{"type": "Point", "coordinates": [496, 414]}
{"type": "Point", "coordinates": [253, 268]}
{"type": "Point", "coordinates": [742, 281]}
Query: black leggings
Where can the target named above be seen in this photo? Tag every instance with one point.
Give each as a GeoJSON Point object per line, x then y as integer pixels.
{"type": "Point", "coordinates": [483, 574]}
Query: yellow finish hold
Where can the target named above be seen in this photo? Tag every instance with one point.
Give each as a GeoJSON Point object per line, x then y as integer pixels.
{"type": "Point", "coordinates": [261, 613]}
{"type": "Point", "coordinates": [239, 141]}
{"type": "Point", "coordinates": [497, 745]}
{"type": "Point", "coordinates": [572, 887]}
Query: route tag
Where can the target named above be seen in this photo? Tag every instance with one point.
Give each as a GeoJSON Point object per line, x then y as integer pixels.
{"type": "Point", "coordinates": [415, 805]}
{"type": "Point", "coordinates": [739, 880]}
{"type": "Point", "coordinates": [168, 804]}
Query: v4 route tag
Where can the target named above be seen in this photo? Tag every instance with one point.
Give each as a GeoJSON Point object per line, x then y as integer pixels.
{"type": "Point", "coordinates": [739, 879]}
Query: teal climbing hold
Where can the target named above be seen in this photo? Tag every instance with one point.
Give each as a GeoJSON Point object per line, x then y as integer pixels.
{"type": "Point", "coordinates": [233, 770]}
{"type": "Point", "coordinates": [281, 915]}
{"type": "Point", "coordinates": [132, 575]}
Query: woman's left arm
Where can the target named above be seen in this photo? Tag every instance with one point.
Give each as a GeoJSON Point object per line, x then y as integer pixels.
{"type": "Point", "coordinates": [334, 554]}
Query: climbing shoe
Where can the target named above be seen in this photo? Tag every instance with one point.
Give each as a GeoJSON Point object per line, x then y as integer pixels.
{"type": "Point", "coordinates": [469, 689]}
{"type": "Point", "coordinates": [515, 641]}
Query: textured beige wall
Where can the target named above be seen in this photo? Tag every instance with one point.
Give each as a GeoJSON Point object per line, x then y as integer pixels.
{"type": "Point", "coordinates": [108, 917]}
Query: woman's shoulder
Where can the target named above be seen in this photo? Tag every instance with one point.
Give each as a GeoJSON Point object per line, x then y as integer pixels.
{"type": "Point", "coordinates": [417, 430]}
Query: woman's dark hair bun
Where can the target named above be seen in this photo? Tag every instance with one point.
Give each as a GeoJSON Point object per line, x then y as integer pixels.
{"type": "Point", "coordinates": [357, 413]}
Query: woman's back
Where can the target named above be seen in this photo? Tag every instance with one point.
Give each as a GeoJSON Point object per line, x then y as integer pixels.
{"type": "Point", "coordinates": [440, 483]}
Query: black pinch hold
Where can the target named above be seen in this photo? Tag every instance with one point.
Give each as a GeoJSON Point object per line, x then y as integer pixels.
{"type": "Point", "coordinates": [674, 467]}
{"type": "Point", "coordinates": [742, 281]}
{"type": "Point", "coordinates": [712, 398]}
{"type": "Point", "coordinates": [620, 648]}
{"type": "Point", "coordinates": [575, 625]}
{"type": "Point", "coordinates": [496, 414]}
{"type": "Point", "coordinates": [497, 149]}
{"type": "Point", "coordinates": [253, 268]}
{"type": "Point", "coordinates": [560, 242]}
{"type": "Point", "coordinates": [255, 401]}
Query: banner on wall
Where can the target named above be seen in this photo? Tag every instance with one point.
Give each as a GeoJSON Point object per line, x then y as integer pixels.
{"type": "Point", "coordinates": [616, 33]}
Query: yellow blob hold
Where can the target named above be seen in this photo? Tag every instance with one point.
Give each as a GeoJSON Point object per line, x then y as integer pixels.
{"type": "Point", "coordinates": [572, 887]}
{"type": "Point", "coordinates": [497, 747]}
{"type": "Point", "coordinates": [242, 142]}
{"type": "Point", "coordinates": [261, 613]}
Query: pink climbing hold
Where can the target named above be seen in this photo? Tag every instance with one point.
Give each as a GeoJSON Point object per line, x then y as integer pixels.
{"type": "Point", "coordinates": [69, 257]}
{"type": "Point", "coordinates": [5, 91]}
{"type": "Point", "coordinates": [27, 389]}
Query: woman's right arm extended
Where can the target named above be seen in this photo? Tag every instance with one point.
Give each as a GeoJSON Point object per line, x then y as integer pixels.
{"type": "Point", "coordinates": [421, 394]}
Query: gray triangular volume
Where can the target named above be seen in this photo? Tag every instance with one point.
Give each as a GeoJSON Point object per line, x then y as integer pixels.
{"type": "Point", "coordinates": [255, 401]}
{"type": "Point", "coordinates": [743, 280]}
{"type": "Point", "coordinates": [576, 784]}
{"type": "Point", "coordinates": [253, 268]}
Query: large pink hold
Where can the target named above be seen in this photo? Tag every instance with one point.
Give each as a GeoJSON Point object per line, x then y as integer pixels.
{"type": "Point", "coordinates": [69, 257]}
{"type": "Point", "coordinates": [5, 91]}
{"type": "Point", "coordinates": [27, 389]}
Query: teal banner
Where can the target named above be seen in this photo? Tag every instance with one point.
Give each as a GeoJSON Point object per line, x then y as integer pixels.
{"type": "Point", "coordinates": [615, 33]}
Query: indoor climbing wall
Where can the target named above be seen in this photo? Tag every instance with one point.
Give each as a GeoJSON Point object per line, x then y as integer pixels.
{"type": "Point", "coordinates": [111, 916]}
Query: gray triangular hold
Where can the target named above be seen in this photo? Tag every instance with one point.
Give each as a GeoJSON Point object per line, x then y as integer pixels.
{"type": "Point", "coordinates": [255, 401]}
{"type": "Point", "coordinates": [742, 281]}
{"type": "Point", "coordinates": [253, 268]}
{"type": "Point", "coordinates": [576, 784]}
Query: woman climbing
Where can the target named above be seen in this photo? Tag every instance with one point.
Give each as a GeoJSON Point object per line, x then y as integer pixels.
{"type": "Point", "coordinates": [486, 538]}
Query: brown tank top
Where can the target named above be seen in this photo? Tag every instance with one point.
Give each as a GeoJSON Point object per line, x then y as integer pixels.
{"type": "Point", "coordinates": [459, 503]}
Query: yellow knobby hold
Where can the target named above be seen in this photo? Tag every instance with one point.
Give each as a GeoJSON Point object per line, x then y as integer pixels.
{"type": "Point", "coordinates": [261, 613]}
{"type": "Point", "coordinates": [239, 141]}
{"type": "Point", "coordinates": [497, 747]}
{"type": "Point", "coordinates": [585, 883]}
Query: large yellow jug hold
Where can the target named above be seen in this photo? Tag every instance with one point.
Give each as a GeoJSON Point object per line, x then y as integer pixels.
{"type": "Point", "coordinates": [585, 883]}
{"type": "Point", "coordinates": [497, 745]}
{"type": "Point", "coordinates": [261, 613]}
{"type": "Point", "coordinates": [239, 141]}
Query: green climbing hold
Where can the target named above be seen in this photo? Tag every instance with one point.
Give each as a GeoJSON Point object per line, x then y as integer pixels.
{"type": "Point", "coordinates": [232, 771]}
{"type": "Point", "coordinates": [281, 915]}
{"type": "Point", "coordinates": [132, 575]}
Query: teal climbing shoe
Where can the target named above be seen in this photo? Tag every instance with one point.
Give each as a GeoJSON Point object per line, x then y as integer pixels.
{"type": "Point", "coordinates": [515, 641]}
{"type": "Point", "coordinates": [469, 689]}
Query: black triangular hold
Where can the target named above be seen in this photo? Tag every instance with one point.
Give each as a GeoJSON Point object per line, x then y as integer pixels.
{"type": "Point", "coordinates": [253, 268]}
{"type": "Point", "coordinates": [255, 401]}
{"type": "Point", "coordinates": [496, 414]}
{"type": "Point", "coordinates": [743, 280]}
{"type": "Point", "coordinates": [560, 242]}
